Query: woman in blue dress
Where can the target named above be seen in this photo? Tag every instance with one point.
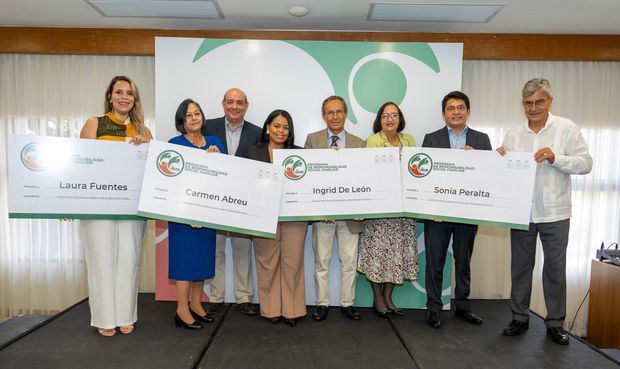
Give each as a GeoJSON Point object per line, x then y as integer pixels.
{"type": "Point", "coordinates": [191, 250]}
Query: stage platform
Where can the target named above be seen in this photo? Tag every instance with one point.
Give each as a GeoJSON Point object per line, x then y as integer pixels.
{"type": "Point", "coordinates": [238, 341]}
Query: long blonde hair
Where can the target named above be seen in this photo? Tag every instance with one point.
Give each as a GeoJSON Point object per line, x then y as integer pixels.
{"type": "Point", "coordinates": [136, 115]}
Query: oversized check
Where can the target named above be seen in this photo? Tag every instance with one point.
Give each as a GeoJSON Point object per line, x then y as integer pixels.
{"type": "Point", "coordinates": [54, 177]}
{"type": "Point", "coordinates": [468, 186]}
{"type": "Point", "coordinates": [191, 186]}
{"type": "Point", "coordinates": [340, 184]}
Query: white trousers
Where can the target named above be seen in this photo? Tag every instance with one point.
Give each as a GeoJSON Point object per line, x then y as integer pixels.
{"type": "Point", "coordinates": [243, 284]}
{"type": "Point", "coordinates": [112, 251]}
{"type": "Point", "coordinates": [323, 243]}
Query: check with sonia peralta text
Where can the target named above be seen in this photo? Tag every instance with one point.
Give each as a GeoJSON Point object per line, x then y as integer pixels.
{"type": "Point", "coordinates": [191, 186]}
{"type": "Point", "coordinates": [468, 186]}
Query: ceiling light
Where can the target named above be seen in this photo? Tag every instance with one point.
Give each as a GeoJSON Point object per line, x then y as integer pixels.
{"type": "Point", "coordinates": [298, 11]}
{"type": "Point", "coordinates": [465, 13]}
{"type": "Point", "coordinates": [157, 8]}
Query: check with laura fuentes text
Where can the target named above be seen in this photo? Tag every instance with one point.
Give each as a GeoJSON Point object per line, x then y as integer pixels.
{"type": "Point", "coordinates": [54, 177]}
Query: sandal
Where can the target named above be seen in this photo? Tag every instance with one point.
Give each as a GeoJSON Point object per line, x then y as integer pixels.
{"type": "Point", "coordinates": [126, 329]}
{"type": "Point", "coordinates": [106, 332]}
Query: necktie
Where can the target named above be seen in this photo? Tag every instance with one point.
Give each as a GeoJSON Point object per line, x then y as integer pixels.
{"type": "Point", "coordinates": [334, 141]}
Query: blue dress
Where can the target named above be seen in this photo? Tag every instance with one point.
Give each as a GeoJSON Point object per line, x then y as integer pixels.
{"type": "Point", "coordinates": [191, 251]}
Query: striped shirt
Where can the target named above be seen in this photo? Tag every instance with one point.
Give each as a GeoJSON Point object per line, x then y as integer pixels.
{"type": "Point", "coordinates": [111, 128]}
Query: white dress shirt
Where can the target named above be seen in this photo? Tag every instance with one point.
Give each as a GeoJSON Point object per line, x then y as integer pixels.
{"type": "Point", "coordinates": [552, 188]}
{"type": "Point", "coordinates": [233, 137]}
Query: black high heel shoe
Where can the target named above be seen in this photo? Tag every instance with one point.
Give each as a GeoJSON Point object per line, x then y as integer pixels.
{"type": "Point", "coordinates": [202, 319]}
{"type": "Point", "coordinates": [180, 323]}
{"type": "Point", "coordinates": [397, 311]}
{"type": "Point", "coordinates": [274, 320]}
{"type": "Point", "coordinates": [383, 314]}
{"type": "Point", "coordinates": [290, 322]}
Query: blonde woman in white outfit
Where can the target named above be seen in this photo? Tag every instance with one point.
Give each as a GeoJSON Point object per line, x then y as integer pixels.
{"type": "Point", "coordinates": [112, 247]}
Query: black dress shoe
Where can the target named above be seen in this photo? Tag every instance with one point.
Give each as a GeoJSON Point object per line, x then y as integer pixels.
{"type": "Point", "coordinates": [320, 313]}
{"type": "Point", "coordinates": [516, 327]}
{"type": "Point", "coordinates": [468, 316]}
{"type": "Point", "coordinates": [350, 312]}
{"type": "Point", "coordinates": [432, 319]}
{"type": "Point", "coordinates": [247, 308]}
{"type": "Point", "coordinates": [202, 319]}
{"type": "Point", "coordinates": [274, 320]}
{"type": "Point", "coordinates": [290, 322]}
{"type": "Point", "coordinates": [398, 312]}
{"type": "Point", "coordinates": [180, 323]}
{"type": "Point", "coordinates": [558, 335]}
{"type": "Point", "coordinates": [214, 306]}
{"type": "Point", "coordinates": [382, 313]}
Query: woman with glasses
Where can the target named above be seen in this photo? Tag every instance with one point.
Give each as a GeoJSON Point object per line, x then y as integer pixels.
{"type": "Point", "coordinates": [191, 249]}
{"type": "Point", "coordinates": [388, 252]}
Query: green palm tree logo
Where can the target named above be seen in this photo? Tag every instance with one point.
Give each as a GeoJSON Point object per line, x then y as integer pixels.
{"type": "Point", "coordinates": [420, 165]}
{"type": "Point", "coordinates": [294, 167]}
{"type": "Point", "coordinates": [170, 163]}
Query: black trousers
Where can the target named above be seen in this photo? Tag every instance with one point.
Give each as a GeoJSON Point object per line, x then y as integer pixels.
{"type": "Point", "coordinates": [436, 241]}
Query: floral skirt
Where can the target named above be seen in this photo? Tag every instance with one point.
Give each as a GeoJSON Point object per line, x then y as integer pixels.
{"type": "Point", "coordinates": [388, 250]}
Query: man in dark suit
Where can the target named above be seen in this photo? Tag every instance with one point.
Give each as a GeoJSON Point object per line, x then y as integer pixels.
{"type": "Point", "coordinates": [455, 135]}
{"type": "Point", "coordinates": [235, 133]}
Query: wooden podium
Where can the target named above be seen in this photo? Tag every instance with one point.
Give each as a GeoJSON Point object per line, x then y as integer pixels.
{"type": "Point", "coordinates": [604, 311]}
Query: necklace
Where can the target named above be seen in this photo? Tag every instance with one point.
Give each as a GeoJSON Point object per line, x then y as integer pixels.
{"type": "Point", "coordinates": [200, 143]}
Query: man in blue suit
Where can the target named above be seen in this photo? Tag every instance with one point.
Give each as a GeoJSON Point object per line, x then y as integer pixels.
{"type": "Point", "coordinates": [455, 135]}
{"type": "Point", "coordinates": [235, 133]}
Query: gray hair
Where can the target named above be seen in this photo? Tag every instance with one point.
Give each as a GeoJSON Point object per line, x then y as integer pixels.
{"type": "Point", "coordinates": [536, 84]}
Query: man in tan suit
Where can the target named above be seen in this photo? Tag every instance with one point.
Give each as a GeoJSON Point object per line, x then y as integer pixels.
{"type": "Point", "coordinates": [334, 111]}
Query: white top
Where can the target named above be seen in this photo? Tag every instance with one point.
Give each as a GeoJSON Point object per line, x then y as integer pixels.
{"type": "Point", "coordinates": [552, 187]}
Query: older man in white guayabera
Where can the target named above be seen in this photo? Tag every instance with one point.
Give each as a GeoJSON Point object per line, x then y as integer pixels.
{"type": "Point", "coordinates": [560, 151]}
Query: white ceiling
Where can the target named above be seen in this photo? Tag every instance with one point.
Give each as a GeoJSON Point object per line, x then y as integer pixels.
{"type": "Point", "coordinates": [518, 16]}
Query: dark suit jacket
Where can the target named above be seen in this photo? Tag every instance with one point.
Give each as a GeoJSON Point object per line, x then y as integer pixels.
{"type": "Point", "coordinates": [259, 151]}
{"type": "Point", "coordinates": [440, 138]}
{"type": "Point", "coordinates": [250, 134]}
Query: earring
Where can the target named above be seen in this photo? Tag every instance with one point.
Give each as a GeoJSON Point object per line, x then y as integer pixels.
{"type": "Point", "coordinates": [267, 132]}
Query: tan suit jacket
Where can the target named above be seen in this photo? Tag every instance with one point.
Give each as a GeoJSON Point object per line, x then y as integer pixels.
{"type": "Point", "coordinates": [320, 140]}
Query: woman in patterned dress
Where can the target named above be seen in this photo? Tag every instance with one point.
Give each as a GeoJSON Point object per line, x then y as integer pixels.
{"type": "Point", "coordinates": [388, 252]}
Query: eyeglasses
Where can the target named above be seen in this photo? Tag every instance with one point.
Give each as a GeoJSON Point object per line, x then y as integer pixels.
{"type": "Point", "coordinates": [332, 113]}
{"type": "Point", "coordinates": [460, 108]}
{"type": "Point", "coordinates": [386, 116]}
{"type": "Point", "coordinates": [538, 103]}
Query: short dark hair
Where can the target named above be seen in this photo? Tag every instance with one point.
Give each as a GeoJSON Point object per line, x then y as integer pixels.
{"type": "Point", "coordinates": [290, 141]}
{"type": "Point", "coordinates": [332, 98]}
{"type": "Point", "coordinates": [376, 127]}
{"type": "Point", "coordinates": [179, 117]}
{"type": "Point", "coordinates": [454, 95]}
